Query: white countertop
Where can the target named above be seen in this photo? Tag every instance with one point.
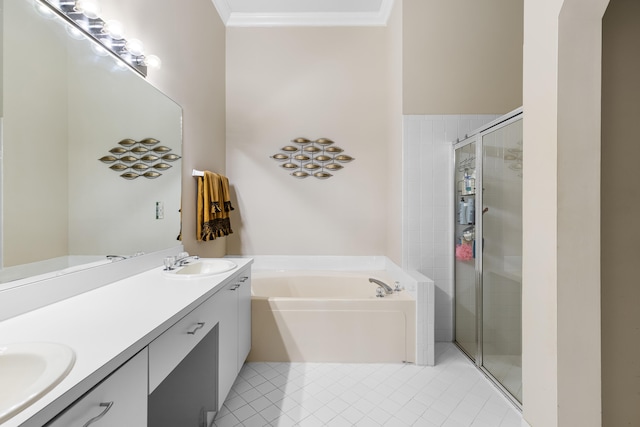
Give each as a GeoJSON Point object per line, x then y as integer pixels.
{"type": "Point", "coordinates": [105, 327]}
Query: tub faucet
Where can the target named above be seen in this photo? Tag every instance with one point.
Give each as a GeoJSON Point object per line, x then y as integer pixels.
{"type": "Point", "coordinates": [387, 288]}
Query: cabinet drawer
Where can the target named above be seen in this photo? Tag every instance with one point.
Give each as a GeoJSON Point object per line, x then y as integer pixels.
{"type": "Point", "coordinates": [121, 398]}
{"type": "Point", "coordinates": [166, 351]}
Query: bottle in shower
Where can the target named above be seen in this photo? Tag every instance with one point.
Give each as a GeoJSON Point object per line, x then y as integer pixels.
{"type": "Point", "coordinates": [471, 211]}
{"type": "Point", "coordinates": [467, 181]}
{"type": "Point", "coordinates": [462, 212]}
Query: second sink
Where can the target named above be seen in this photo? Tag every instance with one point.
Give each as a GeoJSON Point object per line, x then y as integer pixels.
{"type": "Point", "coordinates": [28, 371]}
{"type": "Point", "coordinates": [201, 268]}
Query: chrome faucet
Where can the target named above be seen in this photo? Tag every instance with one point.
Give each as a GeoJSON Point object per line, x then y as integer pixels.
{"type": "Point", "coordinates": [184, 260]}
{"type": "Point", "coordinates": [387, 288]}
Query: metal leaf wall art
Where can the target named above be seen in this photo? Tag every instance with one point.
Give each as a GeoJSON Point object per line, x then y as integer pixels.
{"type": "Point", "coordinates": [312, 158]}
{"type": "Point", "coordinates": [139, 158]}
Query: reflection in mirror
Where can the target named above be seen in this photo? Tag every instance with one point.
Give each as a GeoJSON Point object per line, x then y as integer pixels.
{"type": "Point", "coordinates": [63, 108]}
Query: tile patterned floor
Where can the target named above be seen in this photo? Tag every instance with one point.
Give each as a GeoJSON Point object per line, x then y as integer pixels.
{"type": "Point", "coordinates": [451, 394]}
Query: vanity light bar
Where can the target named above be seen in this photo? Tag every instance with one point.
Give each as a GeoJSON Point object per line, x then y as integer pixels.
{"type": "Point", "coordinates": [84, 15]}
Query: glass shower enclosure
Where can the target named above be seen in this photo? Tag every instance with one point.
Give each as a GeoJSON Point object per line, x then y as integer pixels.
{"type": "Point", "coordinates": [488, 251]}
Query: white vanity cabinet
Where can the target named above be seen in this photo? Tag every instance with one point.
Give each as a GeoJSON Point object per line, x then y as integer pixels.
{"type": "Point", "coordinates": [167, 365]}
{"type": "Point", "coordinates": [244, 318]}
{"type": "Point", "coordinates": [227, 305]}
{"type": "Point", "coordinates": [119, 400]}
{"type": "Point", "coordinates": [219, 330]}
{"type": "Point", "coordinates": [234, 305]}
{"type": "Point", "coordinates": [170, 348]}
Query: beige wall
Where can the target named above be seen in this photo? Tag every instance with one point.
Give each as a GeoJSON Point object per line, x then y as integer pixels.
{"type": "Point", "coordinates": [561, 265]}
{"type": "Point", "coordinates": [395, 145]}
{"type": "Point", "coordinates": [191, 43]}
{"type": "Point", "coordinates": [620, 205]}
{"type": "Point", "coordinates": [462, 57]}
{"type": "Point", "coordinates": [333, 82]}
{"type": "Point", "coordinates": [35, 222]}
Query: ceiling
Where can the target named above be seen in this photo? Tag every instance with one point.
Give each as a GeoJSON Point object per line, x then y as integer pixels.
{"type": "Point", "coordinates": [263, 13]}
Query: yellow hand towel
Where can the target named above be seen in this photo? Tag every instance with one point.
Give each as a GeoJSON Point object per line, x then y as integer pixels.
{"type": "Point", "coordinates": [213, 207]}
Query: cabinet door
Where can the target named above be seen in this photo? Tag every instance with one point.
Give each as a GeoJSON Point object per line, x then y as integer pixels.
{"type": "Point", "coordinates": [170, 348]}
{"type": "Point", "coordinates": [226, 306]}
{"type": "Point", "coordinates": [119, 400]}
{"type": "Point", "coordinates": [188, 396]}
{"type": "Point", "coordinates": [244, 317]}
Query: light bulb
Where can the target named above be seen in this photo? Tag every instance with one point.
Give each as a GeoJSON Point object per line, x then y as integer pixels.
{"type": "Point", "coordinates": [44, 10]}
{"type": "Point", "coordinates": [74, 32]}
{"type": "Point", "coordinates": [114, 29]}
{"type": "Point", "coordinates": [153, 61]}
{"type": "Point", "coordinates": [106, 42]}
{"type": "Point", "coordinates": [120, 65]}
{"type": "Point", "coordinates": [135, 47]}
{"type": "Point", "coordinates": [99, 50]}
{"type": "Point", "coordinates": [89, 8]}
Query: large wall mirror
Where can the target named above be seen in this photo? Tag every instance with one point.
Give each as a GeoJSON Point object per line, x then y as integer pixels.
{"type": "Point", "coordinates": [63, 108]}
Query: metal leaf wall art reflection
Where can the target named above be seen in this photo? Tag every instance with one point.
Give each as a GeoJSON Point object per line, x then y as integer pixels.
{"type": "Point", "coordinates": [312, 158]}
{"type": "Point", "coordinates": [139, 158]}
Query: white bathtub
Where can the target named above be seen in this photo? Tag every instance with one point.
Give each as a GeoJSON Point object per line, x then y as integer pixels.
{"type": "Point", "coordinates": [330, 316]}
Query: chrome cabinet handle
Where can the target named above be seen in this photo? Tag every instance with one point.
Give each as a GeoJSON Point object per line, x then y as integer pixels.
{"type": "Point", "coordinates": [234, 287]}
{"type": "Point", "coordinates": [244, 279]}
{"type": "Point", "coordinates": [106, 406]}
{"type": "Point", "coordinates": [200, 325]}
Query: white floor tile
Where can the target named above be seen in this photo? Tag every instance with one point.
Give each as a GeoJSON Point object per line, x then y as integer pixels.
{"type": "Point", "coordinates": [271, 413]}
{"type": "Point", "coordinates": [310, 421]}
{"type": "Point", "coordinates": [260, 403]}
{"type": "Point", "coordinates": [255, 421]}
{"type": "Point", "coordinates": [251, 395]}
{"type": "Point", "coordinates": [325, 396]}
{"type": "Point", "coordinates": [364, 405]}
{"type": "Point", "coordinates": [380, 415]}
{"type": "Point", "coordinates": [434, 416]}
{"type": "Point", "coordinates": [451, 394]}
{"type": "Point", "coordinates": [407, 417]}
{"type": "Point", "coordinates": [352, 415]}
{"type": "Point", "coordinates": [235, 403]}
{"type": "Point", "coordinates": [367, 422]}
{"type": "Point", "coordinates": [227, 421]}
{"type": "Point", "coordinates": [244, 412]}
{"type": "Point", "coordinates": [283, 421]}
{"type": "Point", "coordinates": [325, 414]}
{"type": "Point", "coordinates": [276, 395]}
{"type": "Point", "coordinates": [265, 387]}
{"type": "Point", "coordinates": [339, 422]}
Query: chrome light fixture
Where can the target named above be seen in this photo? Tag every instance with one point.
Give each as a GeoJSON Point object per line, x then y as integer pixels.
{"type": "Point", "coordinates": [84, 15]}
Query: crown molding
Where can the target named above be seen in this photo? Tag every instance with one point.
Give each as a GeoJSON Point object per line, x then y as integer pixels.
{"type": "Point", "coordinates": [325, 19]}
{"type": "Point", "coordinates": [224, 10]}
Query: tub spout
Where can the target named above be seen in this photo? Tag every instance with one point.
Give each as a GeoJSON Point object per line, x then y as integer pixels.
{"type": "Point", "coordinates": [387, 288]}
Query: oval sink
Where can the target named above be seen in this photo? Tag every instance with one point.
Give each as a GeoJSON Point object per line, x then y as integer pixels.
{"type": "Point", "coordinates": [203, 267]}
{"type": "Point", "coordinates": [28, 371]}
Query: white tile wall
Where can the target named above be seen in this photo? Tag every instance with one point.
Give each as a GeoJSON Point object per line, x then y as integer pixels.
{"type": "Point", "coordinates": [427, 203]}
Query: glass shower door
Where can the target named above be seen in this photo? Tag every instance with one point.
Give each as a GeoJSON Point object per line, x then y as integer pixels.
{"type": "Point", "coordinates": [501, 256]}
{"type": "Point", "coordinates": [465, 270]}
